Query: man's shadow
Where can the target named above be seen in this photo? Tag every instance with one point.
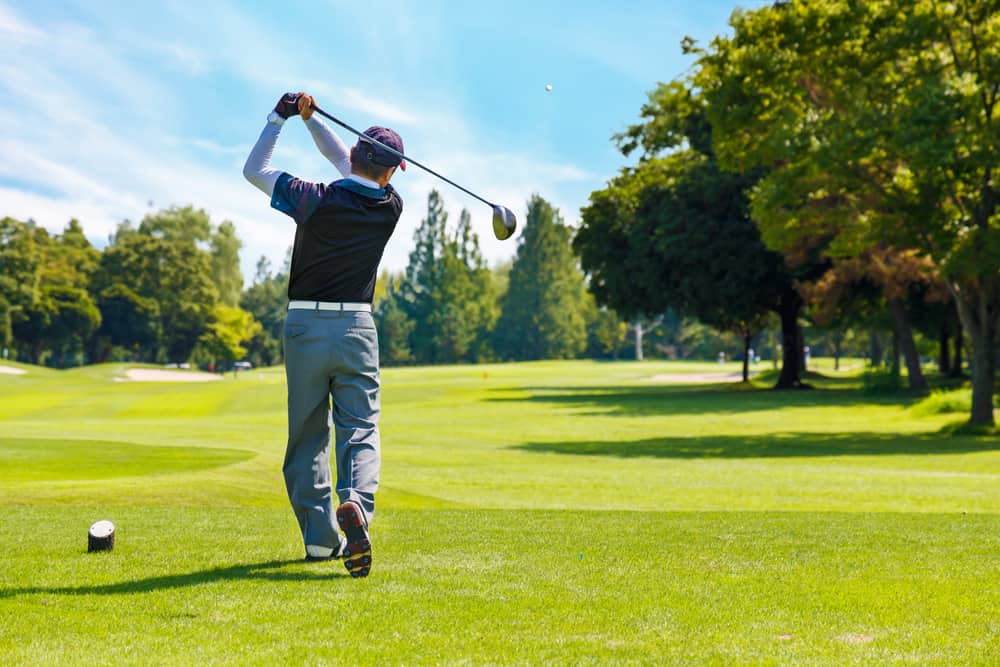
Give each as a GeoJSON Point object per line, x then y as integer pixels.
{"type": "Point", "coordinates": [266, 571]}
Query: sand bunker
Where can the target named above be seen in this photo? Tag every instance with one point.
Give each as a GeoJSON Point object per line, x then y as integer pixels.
{"type": "Point", "coordinates": [157, 375]}
{"type": "Point", "coordinates": [697, 378]}
{"type": "Point", "coordinates": [10, 370]}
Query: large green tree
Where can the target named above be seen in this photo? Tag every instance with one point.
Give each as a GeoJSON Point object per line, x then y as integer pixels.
{"type": "Point", "coordinates": [44, 280]}
{"type": "Point", "coordinates": [145, 274]}
{"type": "Point", "coordinates": [675, 233]}
{"type": "Point", "coordinates": [543, 314]}
{"type": "Point", "coordinates": [877, 124]}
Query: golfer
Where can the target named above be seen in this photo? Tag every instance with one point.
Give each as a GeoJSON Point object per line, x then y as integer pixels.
{"type": "Point", "coordinates": [330, 342]}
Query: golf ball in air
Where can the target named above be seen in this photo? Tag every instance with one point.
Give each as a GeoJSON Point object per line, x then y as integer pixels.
{"type": "Point", "coordinates": [548, 87]}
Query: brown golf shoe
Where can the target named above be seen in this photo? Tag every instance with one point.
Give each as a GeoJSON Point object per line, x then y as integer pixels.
{"type": "Point", "coordinates": [358, 552]}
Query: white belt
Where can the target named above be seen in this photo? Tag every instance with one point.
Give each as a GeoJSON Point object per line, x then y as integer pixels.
{"type": "Point", "coordinates": [328, 305]}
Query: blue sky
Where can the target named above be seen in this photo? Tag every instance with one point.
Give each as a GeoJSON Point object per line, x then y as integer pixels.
{"type": "Point", "coordinates": [111, 108]}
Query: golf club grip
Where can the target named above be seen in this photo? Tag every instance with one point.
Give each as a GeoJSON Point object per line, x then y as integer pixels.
{"type": "Point", "coordinates": [398, 154]}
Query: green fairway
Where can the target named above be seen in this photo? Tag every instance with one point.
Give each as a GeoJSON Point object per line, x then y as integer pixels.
{"type": "Point", "coordinates": [557, 512]}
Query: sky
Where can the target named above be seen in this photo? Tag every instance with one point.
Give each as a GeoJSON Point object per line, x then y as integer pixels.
{"type": "Point", "coordinates": [111, 110]}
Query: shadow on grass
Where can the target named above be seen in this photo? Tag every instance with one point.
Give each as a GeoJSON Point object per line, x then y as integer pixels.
{"type": "Point", "coordinates": [639, 400]}
{"type": "Point", "coordinates": [771, 446]}
{"type": "Point", "coordinates": [267, 571]}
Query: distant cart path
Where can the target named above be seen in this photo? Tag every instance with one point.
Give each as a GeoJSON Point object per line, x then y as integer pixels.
{"type": "Point", "coordinates": [697, 378]}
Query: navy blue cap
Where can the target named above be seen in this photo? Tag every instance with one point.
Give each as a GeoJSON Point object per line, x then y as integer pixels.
{"type": "Point", "coordinates": [379, 155]}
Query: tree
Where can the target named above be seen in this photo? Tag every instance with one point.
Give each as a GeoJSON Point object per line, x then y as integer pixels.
{"type": "Point", "coordinates": [177, 223]}
{"type": "Point", "coordinates": [226, 332]}
{"type": "Point", "coordinates": [266, 300]}
{"type": "Point", "coordinates": [20, 260]}
{"type": "Point", "coordinates": [876, 122]}
{"type": "Point", "coordinates": [465, 308]}
{"type": "Point", "coordinates": [422, 278]}
{"type": "Point", "coordinates": [675, 232]}
{"type": "Point", "coordinates": [446, 298]}
{"type": "Point", "coordinates": [605, 332]}
{"type": "Point", "coordinates": [140, 270]}
{"type": "Point", "coordinates": [543, 314]}
{"type": "Point", "coordinates": [394, 327]}
{"type": "Point", "coordinates": [225, 248]}
{"type": "Point", "coordinates": [48, 309]}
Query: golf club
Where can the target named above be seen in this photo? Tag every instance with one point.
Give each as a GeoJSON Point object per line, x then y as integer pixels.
{"type": "Point", "coordinates": [504, 222]}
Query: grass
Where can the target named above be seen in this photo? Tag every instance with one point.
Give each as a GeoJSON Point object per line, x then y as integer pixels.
{"type": "Point", "coordinates": [557, 512]}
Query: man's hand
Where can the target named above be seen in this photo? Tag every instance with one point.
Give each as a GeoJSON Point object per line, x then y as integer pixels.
{"type": "Point", "coordinates": [306, 104]}
{"type": "Point", "coordinates": [288, 105]}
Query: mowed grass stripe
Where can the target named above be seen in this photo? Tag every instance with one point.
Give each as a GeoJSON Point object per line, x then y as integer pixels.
{"type": "Point", "coordinates": [37, 460]}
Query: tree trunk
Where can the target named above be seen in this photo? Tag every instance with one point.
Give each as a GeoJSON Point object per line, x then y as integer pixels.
{"type": "Point", "coordinates": [638, 340]}
{"type": "Point", "coordinates": [875, 350]}
{"type": "Point", "coordinates": [901, 325]}
{"type": "Point", "coordinates": [956, 358]}
{"type": "Point", "coordinates": [983, 374]}
{"type": "Point", "coordinates": [944, 349]}
{"type": "Point", "coordinates": [894, 354]}
{"type": "Point", "coordinates": [791, 341]}
{"type": "Point", "coordinates": [746, 356]}
{"type": "Point", "coordinates": [979, 310]}
{"type": "Point", "coordinates": [838, 340]}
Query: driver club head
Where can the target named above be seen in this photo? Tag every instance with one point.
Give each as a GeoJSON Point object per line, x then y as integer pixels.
{"type": "Point", "coordinates": [504, 222]}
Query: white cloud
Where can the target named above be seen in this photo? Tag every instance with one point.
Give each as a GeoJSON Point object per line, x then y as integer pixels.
{"type": "Point", "coordinates": [102, 146]}
{"type": "Point", "coordinates": [15, 29]}
{"type": "Point", "coordinates": [357, 100]}
{"type": "Point", "coordinates": [182, 56]}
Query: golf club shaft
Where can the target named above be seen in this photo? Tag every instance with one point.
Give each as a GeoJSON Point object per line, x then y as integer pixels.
{"type": "Point", "coordinates": [398, 154]}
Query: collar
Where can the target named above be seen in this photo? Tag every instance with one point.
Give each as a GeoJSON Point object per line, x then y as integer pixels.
{"type": "Point", "coordinates": [361, 187]}
{"type": "Point", "coordinates": [367, 182]}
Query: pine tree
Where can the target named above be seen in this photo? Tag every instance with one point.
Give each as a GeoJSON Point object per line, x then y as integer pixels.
{"type": "Point", "coordinates": [543, 315]}
{"type": "Point", "coordinates": [422, 277]}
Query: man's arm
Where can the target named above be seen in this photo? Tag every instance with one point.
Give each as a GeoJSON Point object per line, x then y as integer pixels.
{"type": "Point", "coordinates": [328, 143]}
{"type": "Point", "coordinates": [292, 196]}
{"type": "Point", "coordinates": [257, 169]}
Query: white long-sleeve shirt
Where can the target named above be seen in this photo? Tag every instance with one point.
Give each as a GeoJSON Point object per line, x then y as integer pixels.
{"type": "Point", "coordinates": [258, 171]}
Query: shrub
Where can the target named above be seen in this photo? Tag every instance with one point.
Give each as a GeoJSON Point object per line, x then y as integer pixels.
{"type": "Point", "coordinates": [880, 381]}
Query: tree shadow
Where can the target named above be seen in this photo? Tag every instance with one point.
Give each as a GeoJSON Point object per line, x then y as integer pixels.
{"type": "Point", "coordinates": [266, 571]}
{"type": "Point", "coordinates": [638, 400]}
{"type": "Point", "coordinates": [778, 445]}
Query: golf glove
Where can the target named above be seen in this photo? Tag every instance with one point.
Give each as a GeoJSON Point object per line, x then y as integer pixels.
{"type": "Point", "coordinates": [287, 106]}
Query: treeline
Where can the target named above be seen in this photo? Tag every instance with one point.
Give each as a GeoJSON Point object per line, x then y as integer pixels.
{"type": "Point", "coordinates": [450, 307]}
{"type": "Point", "coordinates": [829, 161]}
{"type": "Point", "coordinates": [170, 291]}
{"type": "Point", "coordinates": [165, 291]}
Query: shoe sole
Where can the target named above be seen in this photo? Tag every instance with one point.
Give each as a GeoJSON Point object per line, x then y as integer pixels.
{"type": "Point", "coordinates": [320, 559]}
{"type": "Point", "coordinates": [358, 552]}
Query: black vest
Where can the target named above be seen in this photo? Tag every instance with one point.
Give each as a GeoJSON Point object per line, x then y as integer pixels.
{"type": "Point", "coordinates": [338, 248]}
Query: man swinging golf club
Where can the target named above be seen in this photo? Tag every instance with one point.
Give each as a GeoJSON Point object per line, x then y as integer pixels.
{"type": "Point", "coordinates": [330, 342]}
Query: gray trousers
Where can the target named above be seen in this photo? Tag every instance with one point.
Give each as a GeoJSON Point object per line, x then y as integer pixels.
{"type": "Point", "coordinates": [331, 354]}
